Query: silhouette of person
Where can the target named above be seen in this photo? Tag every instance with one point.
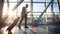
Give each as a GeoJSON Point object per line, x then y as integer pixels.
{"type": "Point", "coordinates": [24, 10]}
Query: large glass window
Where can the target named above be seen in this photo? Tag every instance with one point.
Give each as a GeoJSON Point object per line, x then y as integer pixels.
{"type": "Point", "coordinates": [55, 7]}
{"type": "Point", "coordinates": [11, 0]}
{"type": "Point", "coordinates": [38, 7]}
{"type": "Point", "coordinates": [50, 0]}
{"type": "Point", "coordinates": [49, 9]}
{"type": "Point", "coordinates": [38, 0]}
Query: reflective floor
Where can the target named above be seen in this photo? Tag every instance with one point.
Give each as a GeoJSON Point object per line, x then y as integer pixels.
{"type": "Point", "coordinates": [41, 29]}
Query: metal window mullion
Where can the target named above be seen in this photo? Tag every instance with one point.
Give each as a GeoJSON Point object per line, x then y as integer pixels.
{"type": "Point", "coordinates": [53, 15]}
{"type": "Point", "coordinates": [32, 10]}
{"type": "Point", "coordinates": [58, 1]}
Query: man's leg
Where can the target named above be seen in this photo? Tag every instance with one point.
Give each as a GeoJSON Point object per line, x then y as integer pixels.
{"type": "Point", "coordinates": [20, 22]}
{"type": "Point", "coordinates": [26, 21]}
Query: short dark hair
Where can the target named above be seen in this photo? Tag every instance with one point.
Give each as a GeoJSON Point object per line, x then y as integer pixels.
{"type": "Point", "coordinates": [26, 5]}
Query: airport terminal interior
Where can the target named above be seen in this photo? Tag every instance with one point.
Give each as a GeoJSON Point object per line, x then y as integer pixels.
{"type": "Point", "coordinates": [40, 17]}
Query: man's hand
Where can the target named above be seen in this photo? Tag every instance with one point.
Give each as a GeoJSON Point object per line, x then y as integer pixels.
{"type": "Point", "coordinates": [28, 12]}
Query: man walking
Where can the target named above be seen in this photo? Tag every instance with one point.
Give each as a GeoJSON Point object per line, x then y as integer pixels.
{"type": "Point", "coordinates": [24, 15]}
